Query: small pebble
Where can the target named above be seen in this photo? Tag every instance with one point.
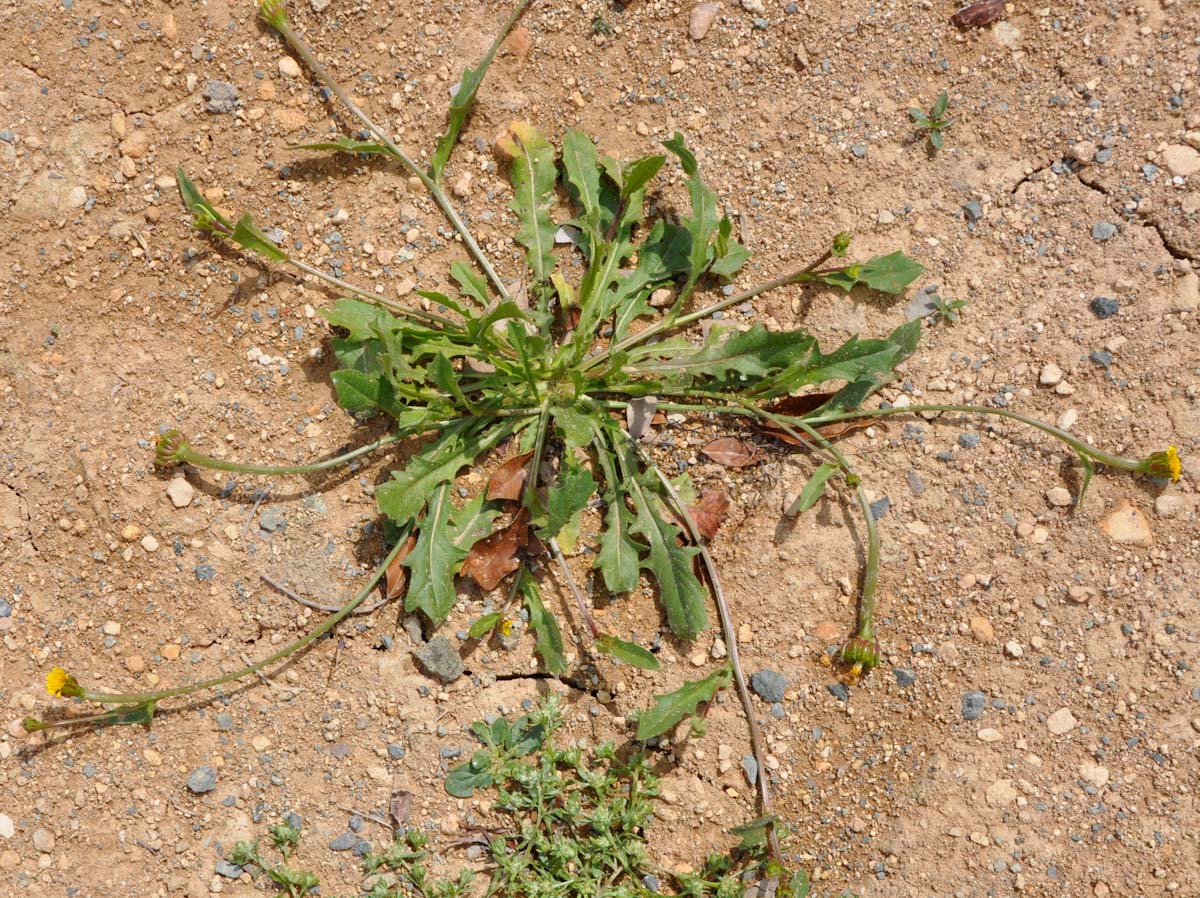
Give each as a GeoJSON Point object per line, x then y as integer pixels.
{"type": "Point", "coordinates": [344, 842]}
{"type": "Point", "coordinates": [973, 704]}
{"type": "Point", "coordinates": [289, 67]}
{"type": "Point", "coordinates": [1051, 375]}
{"type": "Point", "coordinates": [202, 779]}
{"type": "Point", "coordinates": [1105, 306]}
{"type": "Point", "coordinates": [905, 676]}
{"type": "Point", "coordinates": [769, 684]}
{"type": "Point", "coordinates": [1059, 497]}
{"type": "Point", "coordinates": [1061, 721]}
{"type": "Point", "coordinates": [1103, 230]}
{"type": "Point", "coordinates": [43, 840]}
{"type": "Point", "coordinates": [180, 492]}
{"type": "Point", "coordinates": [701, 19]}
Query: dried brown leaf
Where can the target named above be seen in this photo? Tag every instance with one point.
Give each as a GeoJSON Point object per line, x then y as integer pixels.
{"type": "Point", "coordinates": [400, 807]}
{"type": "Point", "coordinates": [709, 512]}
{"type": "Point", "coordinates": [509, 479]}
{"type": "Point", "coordinates": [496, 556]}
{"type": "Point", "coordinates": [731, 452]}
{"type": "Point", "coordinates": [979, 14]}
{"type": "Point", "coordinates": [798, 407]}
{"type": "Point", "coordinates": [397, 573]}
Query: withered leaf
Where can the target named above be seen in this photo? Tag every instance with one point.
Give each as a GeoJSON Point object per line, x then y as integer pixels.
{"type": "Point", "coordinates": [397, 573]}
{"type": "Point", "coordinates": [709, 512]}
{"type": "Point", "coordinates": [731, 452]}
{"type": "Point", "coordinates": [979, 14]}
{"type": "Point", "coordinates": [509, 479]}
{"type": "Point", "coordinates": [400, 807]}
{"type": "Point", "coordinates": [496, 556]}
{"type": "Point", "coordinates": [798, 407]}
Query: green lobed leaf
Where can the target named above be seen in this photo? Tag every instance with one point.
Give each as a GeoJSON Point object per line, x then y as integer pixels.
{"type": "Point", "coordinates": [484, 625]}
{"type": "Point", "coordinates": [682, 595]}
{"type": "Point", "coordinates": [752, 353]}
{"type": "Point", "coordinates": [637, 174]}
{"type": "Point", "coordinates": [568, 496]}
{"type": "Point", "coordinates": [343, 145]}
{"type": "Point", "coordinates": [356, 317]}
{"type": "Point", "coordinates": [533, 176]}
{"type": "Point", "coordinates": [471, 283]}
{"type": "Point", "coordinates": [754, 834]}
{"type": "Point", "coordinates": [618, 555]}
{"type": "Point", "coordinates": [629, 652]}
{"type": "Point", "coordinates": [549, 641]}
{"type": "Point", "coordinates": [887, 274]}
{"type": "Point", "coordinates": [360, 391]}
{"type": "Point", "coordinates": [248, 235]}
{"type": "Point", "coordinates": [445, 538]}
{"type": "Point", "coordinates": [673, 707]}
{"type": "Point", "coordinates": [582, 168]}
{"type": "Point", "coordinates": [458, 444]}
{"type": "Point", "coordinates": [813, 489]}
{"type": "Point", "coordinates": [687, 158]}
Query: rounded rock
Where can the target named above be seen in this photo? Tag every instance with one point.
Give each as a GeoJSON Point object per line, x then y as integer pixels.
{"type": "Point", "coordinates": [288, 67]}
{"type": "Point", "coordinates": [180, 492]}
{"type": "Point", "coordinates": [43, 840]}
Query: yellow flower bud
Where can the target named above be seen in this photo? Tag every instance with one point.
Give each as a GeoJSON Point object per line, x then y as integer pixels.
{"type": "Point", "coordinates": [1163, 464]}
{"type": "Point", "coordinates": [61, 684]}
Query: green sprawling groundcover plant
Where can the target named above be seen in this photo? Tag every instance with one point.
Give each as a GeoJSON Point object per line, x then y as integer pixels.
{"type": "Point", "coordinates": [571, 824]}
{"type": "Point", "coordinates": [548, 371]}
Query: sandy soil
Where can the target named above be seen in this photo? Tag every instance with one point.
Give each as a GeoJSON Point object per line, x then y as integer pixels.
{"type": "Point", "coordinates": [1075, 127]}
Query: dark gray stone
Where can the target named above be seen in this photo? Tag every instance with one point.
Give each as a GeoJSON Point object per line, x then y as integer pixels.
{"type": "Point", "coordinates": [202, 779]}
{"type": "Point", "coordinates": [344, 842]}
{"type": "Point", "coordinates": [973, 704]}
{"type": "Point", "coordinates": [973, 211]}
{"type": "Point", "coordinates": [439, 659]}
{"type": "Point", "coordinates": [769, 684]}
{"type": "Point", "coordinates": [229, 871]}
{"type": "Point", "coordinates": [221, 95]}
{"type": "Point", "coordinates": [1105, 306]}
{"type": "Point", "coordinates": [750, 768]}
{"type": "Point", "coordinates": [905, 677]}
{"type": "Point", "coordinates": [839, 691]}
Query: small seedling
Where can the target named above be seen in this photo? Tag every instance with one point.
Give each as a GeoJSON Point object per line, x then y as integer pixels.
{"type": "Point", "coordinates": [291, 882]}
{"type": "Point", "coordinates": [934, 122]}
{"type": "Point", "coordinates": [947, 310]}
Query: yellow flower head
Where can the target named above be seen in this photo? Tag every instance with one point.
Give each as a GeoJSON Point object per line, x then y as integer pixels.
{"type": "Point", "coordinates": [61, 684]}
{"type": "Point", "coordinates": [506, 627]}
{"type": "Point", "coordinates": [1164, 464]}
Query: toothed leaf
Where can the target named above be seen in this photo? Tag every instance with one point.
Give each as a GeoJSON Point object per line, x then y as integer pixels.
{"type": "Point", "coordinates": [673, 707]}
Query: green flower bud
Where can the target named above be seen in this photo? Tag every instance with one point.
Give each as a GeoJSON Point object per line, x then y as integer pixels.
{"type": "Point", "coordinates": [841, 243]}
{"type": "Point", "coordinates": [273, 12]}
{"type": "Point", "coordinates": [33, 725]}
{"type": "Point", "coordinates": [861, 654]}
{"type": "Point", "coordinates": [171, 449]}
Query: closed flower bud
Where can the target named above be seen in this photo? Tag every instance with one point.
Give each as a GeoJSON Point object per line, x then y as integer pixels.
{"type": "Point", "coordinates": [861, 654]}
{"type": "Point", "coordinates": [273, 12]}
{"type": "Point", "coordinates": [171, 449]}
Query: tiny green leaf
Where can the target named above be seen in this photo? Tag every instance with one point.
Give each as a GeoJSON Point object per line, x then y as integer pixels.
{"type": "Point", "coordinates": [813, 489]}
{"type": "Point", "coordinates": [204, 213]}
{"type": "Point", "coordinates": [248, 235]}
{"type": "Point", "coordinates": [638, 174]}
{"type": "Point", "coordinates": [935, 139]}
{"type": "Point", "coordinates": [673, 707]}
{"type": "Point", "coordinates": [545, 628]}
{"type": "Point", "coordinates": [919, 117]}
{"type": "Point", "coordinates": [754, 833]}
{"type": "Point", "coordinates": [464, 779]}
{"type": "Point", "coordinates": [939, 105]}
{"type": "Point", "coordinates": [687, 159]}
{"type": "Point", "coordinates": [484, 625]}
{"type": "Point", "coordinates": [629, 652]}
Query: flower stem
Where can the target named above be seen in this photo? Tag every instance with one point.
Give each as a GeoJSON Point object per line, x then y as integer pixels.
{"type": "Point", "coordinates": [439, 196]}
{"type": "Point", "coordinates": [111, 698]}
{"type": "Point", "coordinates": [191, 457]}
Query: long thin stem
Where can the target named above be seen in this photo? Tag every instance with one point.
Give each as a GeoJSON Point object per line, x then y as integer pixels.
{"type": "Point", "coordinates": [372, 297]}
{"type": "Point", "coordinates": [204, 461]}
{"type": "Point", "coordinates": [731, 646]}
{"type": "Point", "coordinates": [580, 601]}
{"type": "Point", "coordinates": [439, 196]}
{"type": "Point", "coordinates": [291, 648]}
